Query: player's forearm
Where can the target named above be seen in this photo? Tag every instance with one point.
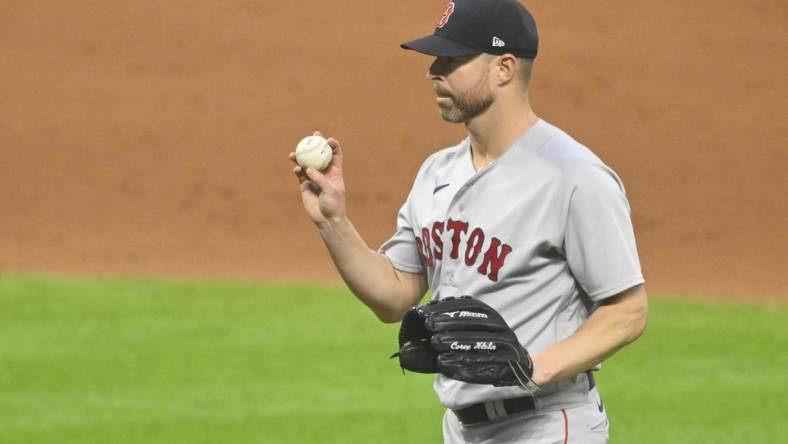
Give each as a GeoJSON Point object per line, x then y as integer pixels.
{"type": "Point", "coordinates": [368, 274]}
{"type": "Point", "coordinates": [609, 328]}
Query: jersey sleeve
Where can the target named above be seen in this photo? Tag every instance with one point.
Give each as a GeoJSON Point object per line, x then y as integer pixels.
{"type": "Point", "coordinates": [402, 249]}
{"type": "Point", "coordinates": [599, 238]}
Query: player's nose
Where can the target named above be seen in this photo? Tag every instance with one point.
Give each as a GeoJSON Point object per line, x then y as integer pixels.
{"type": "Point", "coordinates": [435, 70]}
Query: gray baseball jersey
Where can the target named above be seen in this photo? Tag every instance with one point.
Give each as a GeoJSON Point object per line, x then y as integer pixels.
{"type": "Point", "coordinates": [541, 234]}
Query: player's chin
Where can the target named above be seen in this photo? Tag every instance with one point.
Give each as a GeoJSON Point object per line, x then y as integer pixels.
{"type": "Point", "coordinates": [447, 109]}
{"type": "Point", "coordinates": [452, 115]}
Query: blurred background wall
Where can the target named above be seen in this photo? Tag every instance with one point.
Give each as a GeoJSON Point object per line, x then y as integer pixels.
{"type": "Point", "coordinates": [151, 137]}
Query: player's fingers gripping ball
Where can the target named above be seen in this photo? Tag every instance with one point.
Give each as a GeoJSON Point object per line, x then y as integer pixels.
{"type": "Point", "coordinates": [465, 339]}
{"type": "Point", "coordinates": [313, 152]}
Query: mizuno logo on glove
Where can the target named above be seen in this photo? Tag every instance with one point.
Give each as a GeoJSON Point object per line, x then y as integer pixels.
{"type": "Point", "coordinates": [466, 314]}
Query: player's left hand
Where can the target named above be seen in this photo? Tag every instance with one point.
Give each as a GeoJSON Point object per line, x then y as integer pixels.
{"type": "Point", "coordinates": [464, 339]}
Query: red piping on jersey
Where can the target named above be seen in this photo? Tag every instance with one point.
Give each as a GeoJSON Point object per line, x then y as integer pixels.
{"type": "Point", "coordinates": [566, 426]}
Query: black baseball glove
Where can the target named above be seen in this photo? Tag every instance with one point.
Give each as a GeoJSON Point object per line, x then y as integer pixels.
{"type": "Point", "coordinates": [465, 339]}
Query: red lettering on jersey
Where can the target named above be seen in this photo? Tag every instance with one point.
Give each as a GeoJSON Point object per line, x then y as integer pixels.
{"type": "Point", "coordinates": [493, 259]}
{"type": "Point", "coordinates": [425, 238]}
{"type": "Point", "coordinates": [437, 230]}
{"type": "Point", "coordinates": [475, 241]}
{"type": "Point", "coordinates": [457, 229]}
{"type": "Point", "coordinates": [424, 258]}
{"type": "Point", "coordinates": [420, 246]}
{"type": "Point", "coordinates": [446, 14]}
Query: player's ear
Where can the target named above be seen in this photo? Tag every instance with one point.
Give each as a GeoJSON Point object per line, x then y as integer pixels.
{"type": "Point", "coordinates": [505, 68]}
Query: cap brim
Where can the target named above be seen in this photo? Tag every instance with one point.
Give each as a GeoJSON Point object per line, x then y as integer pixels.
{"type": "Point", "coordinates": [436, 45]}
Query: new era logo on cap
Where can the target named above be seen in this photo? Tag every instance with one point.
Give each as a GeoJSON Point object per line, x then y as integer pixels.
{"type": "Point", "coordinates": [472, 27]}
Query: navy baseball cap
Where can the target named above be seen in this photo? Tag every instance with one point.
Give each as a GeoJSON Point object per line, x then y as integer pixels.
{"type": "Point", "coordinates": [470, 27]}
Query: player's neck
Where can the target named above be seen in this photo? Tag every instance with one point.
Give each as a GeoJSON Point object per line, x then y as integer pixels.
{"type": "Point", "coordinates": [494, 131]}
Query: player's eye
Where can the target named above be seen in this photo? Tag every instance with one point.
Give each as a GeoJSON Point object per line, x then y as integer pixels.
{"type": "Point", "coordinates": [444, 65]}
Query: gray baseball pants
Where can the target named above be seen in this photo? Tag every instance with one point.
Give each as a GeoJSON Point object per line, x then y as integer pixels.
{"type": "Point", "coordinates": [586, 423]}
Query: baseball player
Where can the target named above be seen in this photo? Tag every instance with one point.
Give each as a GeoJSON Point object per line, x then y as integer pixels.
{"type": "Point", "coordinates": [518, 215]}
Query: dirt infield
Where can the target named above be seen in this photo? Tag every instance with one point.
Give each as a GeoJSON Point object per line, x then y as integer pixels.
{"type": "Point", "coordinates": [151, 137]}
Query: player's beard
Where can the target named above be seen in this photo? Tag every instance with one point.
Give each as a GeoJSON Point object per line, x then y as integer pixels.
{"type": "Point", "coordinates": [468, 104]}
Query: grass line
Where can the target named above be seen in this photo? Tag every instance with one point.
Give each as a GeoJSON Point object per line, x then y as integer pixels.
{"type": "Point", "coordinates": [149, 361]}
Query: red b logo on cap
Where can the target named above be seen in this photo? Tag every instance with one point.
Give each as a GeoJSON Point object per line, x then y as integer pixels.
{"type": "Point", "coordinates": [446, 15]}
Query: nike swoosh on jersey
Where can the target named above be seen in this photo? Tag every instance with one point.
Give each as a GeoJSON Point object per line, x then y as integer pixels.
{"type": "Point", "coordinates": [600, 406]}
{"type": "Point", "coordinates": [439, 187]}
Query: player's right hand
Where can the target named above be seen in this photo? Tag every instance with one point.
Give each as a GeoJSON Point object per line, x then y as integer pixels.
{"type": "Point", "coordinates": [323, 193]}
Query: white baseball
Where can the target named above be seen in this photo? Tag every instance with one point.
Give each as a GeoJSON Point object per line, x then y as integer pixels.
{"type": "Point", "coordinates": [313, 152]}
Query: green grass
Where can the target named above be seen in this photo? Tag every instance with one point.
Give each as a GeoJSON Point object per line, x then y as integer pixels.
{"type": "Point", "coordinates": [122, 361]}
{"type": "Point", "coordinates": [703, 372]}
